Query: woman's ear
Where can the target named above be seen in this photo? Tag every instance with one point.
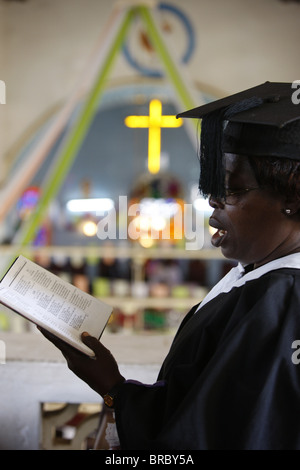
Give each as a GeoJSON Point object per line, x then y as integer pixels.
{"type": "Point", "coordinates": [291, 206]}
{"type": "Point", "coordinates": [291, 202]}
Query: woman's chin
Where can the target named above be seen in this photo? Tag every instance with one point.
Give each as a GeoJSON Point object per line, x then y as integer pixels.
{"type": "Point", "coordinates": [229, 253]}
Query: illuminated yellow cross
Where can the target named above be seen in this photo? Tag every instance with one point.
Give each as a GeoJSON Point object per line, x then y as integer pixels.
{"type": "Point", "coordinates": [155, 121]}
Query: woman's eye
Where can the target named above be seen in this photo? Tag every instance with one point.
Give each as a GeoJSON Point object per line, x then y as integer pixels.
{"type": "Point", "coordinates": [231, 190]}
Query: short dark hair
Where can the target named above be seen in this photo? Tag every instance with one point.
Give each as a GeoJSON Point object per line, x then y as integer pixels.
{"type": "Point", "coordinates": [282, 175]}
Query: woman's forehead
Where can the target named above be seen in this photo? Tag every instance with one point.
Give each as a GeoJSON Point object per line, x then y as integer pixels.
{"type": "Point", "coordinates": [238, 165]}
{"type": "Point", "coordinates": [233, 162]}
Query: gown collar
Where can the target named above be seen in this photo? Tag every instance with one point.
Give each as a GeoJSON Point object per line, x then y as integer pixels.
{"type": "Point", "coordinates": [240, 274]}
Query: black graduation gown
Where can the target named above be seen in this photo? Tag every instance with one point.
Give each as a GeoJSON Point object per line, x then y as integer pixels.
{"type": "Point", "coordinates": [229, 381]}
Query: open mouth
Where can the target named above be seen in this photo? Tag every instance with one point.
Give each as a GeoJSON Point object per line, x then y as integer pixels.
{"type": "Point", "coordinates": [218, 237]}
{"type": "Point", "coordinates": [220, 233]}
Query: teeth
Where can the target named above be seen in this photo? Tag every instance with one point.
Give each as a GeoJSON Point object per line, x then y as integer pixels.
{"type": "Point", "coordinates": [217, 232]}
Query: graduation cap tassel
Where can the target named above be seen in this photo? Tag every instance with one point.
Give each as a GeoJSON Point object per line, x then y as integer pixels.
{"type": "Point", "coordinates": [211, 156]}
{"type": "Point", "coordinates": [212, 171]}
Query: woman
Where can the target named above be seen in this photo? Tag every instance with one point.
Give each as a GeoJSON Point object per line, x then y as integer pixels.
{"type": "Point", "coordinates": [230, 380]}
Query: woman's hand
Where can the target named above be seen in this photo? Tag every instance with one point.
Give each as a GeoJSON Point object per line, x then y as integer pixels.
{"type": "Point", "coordinates": [101, 372]}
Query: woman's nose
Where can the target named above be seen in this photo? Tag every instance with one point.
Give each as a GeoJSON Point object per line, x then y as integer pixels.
{"type": "Point", "coordinates": [216, 202]}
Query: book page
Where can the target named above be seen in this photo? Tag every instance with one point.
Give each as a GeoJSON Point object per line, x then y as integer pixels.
{"type": "Point", "coordinates": [53, 303]}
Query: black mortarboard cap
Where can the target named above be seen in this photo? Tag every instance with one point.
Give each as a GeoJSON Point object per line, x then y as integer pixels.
{"type": "Point", "coordinates": [261, 121]}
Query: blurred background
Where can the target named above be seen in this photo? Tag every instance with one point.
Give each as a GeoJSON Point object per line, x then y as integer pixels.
{"type": "Point", "coordinates": [99, 197]}
{"type": "Point", "coordinates": [72, 72]}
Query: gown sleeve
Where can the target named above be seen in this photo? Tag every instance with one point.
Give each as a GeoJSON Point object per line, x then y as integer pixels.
{"type": "Point", "coordinates": [229, 380]}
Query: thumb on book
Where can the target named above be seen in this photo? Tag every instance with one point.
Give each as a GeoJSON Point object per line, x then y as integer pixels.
{"type": "Point", "coordinates": [92, 342]}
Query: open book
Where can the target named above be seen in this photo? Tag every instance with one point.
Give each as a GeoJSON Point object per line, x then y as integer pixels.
{"type": "Point", "coordinates": [52, 303]}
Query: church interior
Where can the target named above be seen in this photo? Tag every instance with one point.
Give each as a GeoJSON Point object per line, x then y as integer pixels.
{"type": "Point", "coordinates": [99, 179]}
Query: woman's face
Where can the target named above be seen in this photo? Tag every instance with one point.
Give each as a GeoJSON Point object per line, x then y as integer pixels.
{"type": "Point", "coordinates": [251, 226]}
